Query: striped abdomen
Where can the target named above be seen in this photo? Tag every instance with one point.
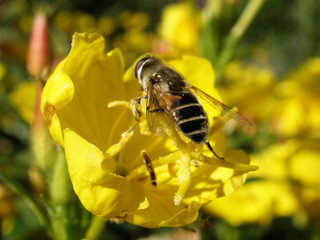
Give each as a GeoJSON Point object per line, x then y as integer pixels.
{"type": "Point", "coordinates": [190, 117]}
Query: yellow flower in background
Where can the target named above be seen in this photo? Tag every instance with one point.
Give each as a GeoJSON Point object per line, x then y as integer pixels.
{"type": "Point", "coordinates": [64, 21]}
{"type": "Point", "coordinates": [134, 42]}
{"type": "Point", "coordinates": [249, 88]}
{"type": "Point", "coordinates": [287, 184]}
{"type": "Point", "coordinates": [180, 26]}
{"type": "Point", "coordinates": [256, 202]}
{"type": "Point", "coordinates": [84, 22]}
{"type": "Point", "coordinates": [7, 210]}
{"type": "Point", "coordinates": [292, 106]}
{"type": "Point", "coordinates": [104, 159]}
{"type": "Point", "coordinates": [23, 99]}
{"type": "Point", "coordinates": [137, 40]}
{"type": "Point", "coordinates": [298, 109]}
{"type": "Point", "coordinates": [77, 21]}
{"type": "Point", "coordinates": [106, 25]}
{"type": "Point", "coordinates": [127, 31]}
{"type": "Point", "coordinates": [2, 71]}
{"type": "Point", "coordinates": [133, 20]}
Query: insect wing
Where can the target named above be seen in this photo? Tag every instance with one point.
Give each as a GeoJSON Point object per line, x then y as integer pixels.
{"type": "Point", "coordinates": [224, 109]}
{"type": "Point", "coordinates": [153, 109]}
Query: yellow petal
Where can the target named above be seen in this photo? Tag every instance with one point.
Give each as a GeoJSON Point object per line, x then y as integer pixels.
{"type": "Point", "coordinates": [59, 90]}
{"type": "Point", "coordinates": [78, 92]}
{"type": "Point", "coordinates": [115, 148]}
{"type": "Point", "coordinates": [199, 73]}
{"type": "Point", "coordinates": [255, 202]}
{"type": "Point", "coordinates": [162, 212]}
{"type": "Point", "coordinates": [305, 167]}
{"type": "Point", "coordinates": [233, 160]}
{"type": "Point", "coordinates": [101, 192]}
{"type": "Point", "coordinates": [179, 26]}
{"type": "Point", "coordinates": [23, 99]}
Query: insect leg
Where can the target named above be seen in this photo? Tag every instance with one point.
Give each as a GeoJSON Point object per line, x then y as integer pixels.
{"type": "Point", "coordinates": [149, 168]}
{"type": "Point", "coordinates": [155, 110]}
{"type": "Point", "coordinates": [134, 102]}
{"type": "Point", "coordinates": [130, 129]}
{"type": "Point", "coordinates": [211, 149]}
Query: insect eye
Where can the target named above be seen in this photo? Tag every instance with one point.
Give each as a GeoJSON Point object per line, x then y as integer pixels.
{"type": "Point", "coordinates": [139, 64]}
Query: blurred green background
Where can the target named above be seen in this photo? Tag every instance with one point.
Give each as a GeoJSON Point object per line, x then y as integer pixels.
{"type": "Point", "coordinates": [271, 73]}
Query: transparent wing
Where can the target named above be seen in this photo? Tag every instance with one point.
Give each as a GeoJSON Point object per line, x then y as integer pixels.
{"type": "Point", "coordinates": [224, 109]}
{"type": "Point", "coordinates": [153, 110]}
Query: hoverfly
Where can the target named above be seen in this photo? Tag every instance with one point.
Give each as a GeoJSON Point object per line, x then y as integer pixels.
{"type": "Point", "coordinates": [168, 93]}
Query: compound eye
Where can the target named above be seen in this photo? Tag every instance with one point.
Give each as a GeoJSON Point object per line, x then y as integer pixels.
{"type": "Point", "coordinates": [139, 65]}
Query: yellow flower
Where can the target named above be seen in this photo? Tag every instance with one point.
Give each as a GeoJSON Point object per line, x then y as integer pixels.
{"type": "Point", "coordinates": [135, 39]}
{"type": "Point", "coordinates": [7, 210]}
{"type": "Point", "coordinates": [180, 26]}
{"type": "Point", "coordinates": [23, 99]}
{"type": "Point", "coordinates": [298, 109]}
{"type": "Point", "coordinates": [249, 88]}
{"type": "Point", "coordinates": [133, 20]}
{"type": "Point", "coordinates": [6, 201]}
{"type": "Point", "coordinates": [2, 71]}
{"type": "Point", "coordinates": [255, 202]}
{"type": "Point", "coordinates": [106, 25]}
{"type": "Point", "coordinates": [292, 105]}
{"type": "Point", "coordinates": [64, 21]}
{"type": "Point", "coordinates": [287, 185]}
{"type": "Point", "coordinates": [2, 74]}
{"type": "Point", "coordinates": [81, 104]}
{"type": "Point", "coordinates": [84, 21]}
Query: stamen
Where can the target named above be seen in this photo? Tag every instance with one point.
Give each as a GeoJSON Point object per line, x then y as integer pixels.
{"type": "Point", "coordinates": [140, 171]}
{"type": "Point", "coordinates": [118, 103]}
{"type": "Point", "coordinates": [115, 148]}
{"type": "Point", "coordinates": [184, 177]}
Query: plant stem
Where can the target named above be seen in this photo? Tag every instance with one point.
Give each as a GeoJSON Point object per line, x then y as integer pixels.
{"type": "Point", "coordinates": [96, 228]}
{"type": "Point", "coordinates": [209, 39]}
{"type": "Point", "coordinates": [236, 33]}
{"type": "Point", "coordinates": [61, 197]}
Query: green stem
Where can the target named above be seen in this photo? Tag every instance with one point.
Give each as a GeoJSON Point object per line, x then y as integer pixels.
{"type": "Point", "coordinates": [236, 34]}
{"type": "Point", "coordinates": [61, 198]}
{"type": "Point", "coordinates": [209, 39]}
{"type": "Point", "coordinates": [30, 200]}
{"type": "Point", "coordinates": [96, 228]}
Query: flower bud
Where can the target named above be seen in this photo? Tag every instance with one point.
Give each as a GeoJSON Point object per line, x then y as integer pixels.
{"type": "Point", "coordinates": [43, 147]}
{"type": "Point", "coordinates": [38, 51]}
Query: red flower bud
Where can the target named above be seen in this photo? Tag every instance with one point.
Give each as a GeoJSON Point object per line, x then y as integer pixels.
{"type": "Point", "coordinates": [38, 51]}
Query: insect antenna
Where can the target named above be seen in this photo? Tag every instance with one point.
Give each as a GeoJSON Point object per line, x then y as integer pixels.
{"type": "Point", "coordinates": [211, 149]}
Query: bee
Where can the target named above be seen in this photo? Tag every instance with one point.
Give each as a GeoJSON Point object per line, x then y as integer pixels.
{"type": "Point", "coordinates": [168, 93]}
